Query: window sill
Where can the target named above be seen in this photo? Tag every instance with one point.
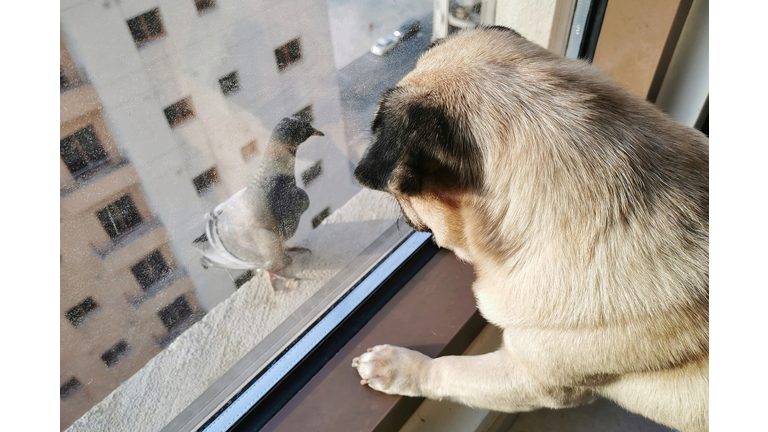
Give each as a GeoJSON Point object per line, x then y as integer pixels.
{"type": "Point", "coordinates": [442, 320]}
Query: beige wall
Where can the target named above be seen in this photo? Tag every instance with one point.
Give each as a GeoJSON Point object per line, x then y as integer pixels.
{"type": "Point", "coordinates": [632, 39]}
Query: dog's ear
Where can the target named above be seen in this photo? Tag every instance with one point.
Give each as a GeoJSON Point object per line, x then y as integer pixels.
{"type": "Point", "coordinates": [418, 146]}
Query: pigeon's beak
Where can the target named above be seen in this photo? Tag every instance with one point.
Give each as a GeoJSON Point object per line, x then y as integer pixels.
{"type": "Point", "coordinates": [318, 133]}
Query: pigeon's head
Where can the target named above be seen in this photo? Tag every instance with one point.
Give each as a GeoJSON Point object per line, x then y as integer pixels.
{"type": "Point", "coordinates": [292, 131]}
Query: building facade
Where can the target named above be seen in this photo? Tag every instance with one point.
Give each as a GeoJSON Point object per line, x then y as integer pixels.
{"type": "Point", "coordinates": [166, 108]}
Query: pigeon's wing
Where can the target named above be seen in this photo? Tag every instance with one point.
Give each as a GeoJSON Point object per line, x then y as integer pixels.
{"type": "Point", "coordinates": [287, 203]}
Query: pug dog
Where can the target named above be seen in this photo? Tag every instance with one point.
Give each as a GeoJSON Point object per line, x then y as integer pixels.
{"type": "Point", "coordinates": [584, 211]}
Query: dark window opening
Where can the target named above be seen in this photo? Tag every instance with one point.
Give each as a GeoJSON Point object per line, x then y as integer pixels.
{"type": "Point", "coordinates": [175, 313]}
{"type": "Point", "coordinates": [146, 27]}
{"type": "Point", "coordinates": [288, 54]}
{"type": "Point", "coordinates": [79, 313]}
{"type": "Point", "coordinates": [179, 112]}
{"type": "Point", "coordinates": [116, 353]}
{"type": "Point", "coordinates": [204, 5]}
{"type": "Point", "coordinates": [69, 388]}
{"type": "Point", "coordinates": [242, 279]}
{"type": "Point", "coordinates": [229, 83]}
{"type": "Point", "coordinates": [119, 217]}
{"type": "Point", "coordinates": [249, 151]}
{"type": "Point", "coordinates": [306, 114]}
{"type": "Point", "coordinates": [82, 151]}
{"type": "Point", "coordinates": [317, 220]}
{"type": "Point", "coordinates": [150, 270]}
{"type": "Point", "coordinates": [311, 173]}
{"type": "Point", "coordinates": [205, 181]}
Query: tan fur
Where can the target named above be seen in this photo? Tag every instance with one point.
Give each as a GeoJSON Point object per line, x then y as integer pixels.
{"type": "Point", "coordinates": [589, 238]}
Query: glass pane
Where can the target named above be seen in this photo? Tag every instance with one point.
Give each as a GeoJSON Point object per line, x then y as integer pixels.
{"type": "Point", "coordinates": [225, 189]}
{"type": "Point", "coordinates": [152, 21]}
{"type": "Point", "coordinates": [136, 28]}
{"type": "Point", "coordinates": [71, 155]}
{"type": "Point", "coordinates": [88, 141]}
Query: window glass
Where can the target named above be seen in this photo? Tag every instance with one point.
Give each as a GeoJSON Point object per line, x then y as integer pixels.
{"type": "Point", "coordinates": [185, 205]}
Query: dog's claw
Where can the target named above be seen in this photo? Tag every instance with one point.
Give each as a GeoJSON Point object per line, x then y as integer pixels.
{"type": "Point", "coordinates": [363, 382]}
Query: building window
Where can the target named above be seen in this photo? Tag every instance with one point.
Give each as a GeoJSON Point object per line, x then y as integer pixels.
{"type": "Point", "coordinates": [69, 388]}
{"type": "Point", "coordinates": [249, 150]}
{"type": "Point", "coordinates": [146, 27]}
{"type": "Point", "coordinates": [82, 151]}
{"type": "Point", "coordinates": [318, 219]}
{"type": "Point", "coordinates": [243, 278]}
{"type": "Point", "coordinates": [175, 313]}
{"type": "Point", "coordinates": [311, 173]}
{"type": "Point", "coordinates": [79, 313]}
{"type": "Point", "coordinates": [119, 217]}
{"type": "Point", "coordinates": [204, 5]}
{"type": "Point", "coordinates": [116, 353]}
{"type": "Point", "coordinates": [306, 114]}
{"type": "Point", "coordinates": [205, 181]}
{"type": "Point", "coordinates": [229, 83]}
{"type": "Point", "coordinates": [179, 112]}
{"type": "Point", "coordinates": [288, 54]}
{"type": "Point", "coordinates": [150, 270]}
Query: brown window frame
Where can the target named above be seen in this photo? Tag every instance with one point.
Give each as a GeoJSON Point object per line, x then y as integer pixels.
{"type": "Point", "coordinates": [203, 6]}
{"type": "Point", "coordinates": [140, 22]}
{"type": "Point", "coordinates": [320, 217]}
{"type": "Point", "coordinates": [284, 54]}
{"type": "Point", "coordinates": [80, 313]}
{"type": "Point", "coordinates": [229, 83]}
{"type": "Point", "coordinates": [122, 212]}
{"type": "Point", "coordinates": [205, 181]}
{"type": "Point", "coordinates": [69, 388]}
{"type": "Point", "coordinates": [179, 112]}
{"type": "Point", "coordinates": [176, 313]}
{"type": "Point", "coordinates": [151, 270]}
{"type": "Point", "coordinates": [93, 154]}
{"type": "Point", "coordinates": [116, 353]}
{"type": "Point", "coordinates": [309, 175]}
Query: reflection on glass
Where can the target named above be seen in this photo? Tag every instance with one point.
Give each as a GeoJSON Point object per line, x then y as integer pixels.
{"type": "Point", "coordinates": [172, 159]}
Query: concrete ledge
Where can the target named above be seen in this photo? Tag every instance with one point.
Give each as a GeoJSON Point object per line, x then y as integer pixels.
{"type": "Point", "coordinates": [197, 358]}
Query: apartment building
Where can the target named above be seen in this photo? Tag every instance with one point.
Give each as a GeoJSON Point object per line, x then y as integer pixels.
{"type": "Point", "coordinates": [166, 109]}
{"type": "Point", "coordinates": [123, 294]}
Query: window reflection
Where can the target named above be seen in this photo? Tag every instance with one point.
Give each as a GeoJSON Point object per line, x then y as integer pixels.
{"type": "Point", "coordinates": [167, 113]}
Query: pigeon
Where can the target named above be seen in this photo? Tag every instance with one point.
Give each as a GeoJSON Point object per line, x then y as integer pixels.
{"type": "Point", "coordinates": [248, 231]}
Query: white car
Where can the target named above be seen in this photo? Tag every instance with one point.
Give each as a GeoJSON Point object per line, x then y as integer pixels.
{"type": "Point", "coordinates": [384, 45]}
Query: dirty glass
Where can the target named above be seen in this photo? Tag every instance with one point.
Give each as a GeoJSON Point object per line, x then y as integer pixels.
{"type": "Point", "coordinates": [193, 217]}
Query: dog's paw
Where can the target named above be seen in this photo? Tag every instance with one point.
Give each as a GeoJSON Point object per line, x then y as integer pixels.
{"type": "Point", "coordinates": [393, 370]}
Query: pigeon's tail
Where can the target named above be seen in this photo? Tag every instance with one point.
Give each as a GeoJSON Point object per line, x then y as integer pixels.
{"type": "Point", "coordinates": [215, 254]}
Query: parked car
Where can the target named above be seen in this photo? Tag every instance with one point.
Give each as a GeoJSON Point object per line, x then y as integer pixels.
{"type": "Point", "coordinates": [410, 28]}
{"type": "Point", "coordinates": [384, 45]}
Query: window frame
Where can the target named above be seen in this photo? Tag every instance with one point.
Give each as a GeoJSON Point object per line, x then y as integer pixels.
{"type": "Point", "coordinates": [79, 146]}
{"type": "Point", "coordinates": [186, 104]}
{"type": "Point", "coordinates": [145, 27]}
{"type": "Point", "coordinates": [367, 279]}
{"type": "Point", "coordinates": [285, 50]}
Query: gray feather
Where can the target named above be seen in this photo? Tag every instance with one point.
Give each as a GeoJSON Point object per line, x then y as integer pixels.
{"type": "Point", "coordinates": [249, 229]}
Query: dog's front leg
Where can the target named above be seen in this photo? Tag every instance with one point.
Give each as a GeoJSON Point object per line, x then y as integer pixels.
{"type": "Point", "coordinates": [492, 381]}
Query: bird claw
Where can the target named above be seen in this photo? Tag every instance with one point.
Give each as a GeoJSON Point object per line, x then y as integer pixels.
{"type": "Point", "coordinates": [270, 275]}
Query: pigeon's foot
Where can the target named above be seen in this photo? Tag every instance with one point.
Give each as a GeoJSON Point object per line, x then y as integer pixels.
{"type": "Point", "coordinates": [297, 249]}
{"type": "Point", "coordinates": [271, 275]}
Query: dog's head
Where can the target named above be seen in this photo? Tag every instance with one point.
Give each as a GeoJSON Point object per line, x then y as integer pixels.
{"type": "Point", "coordinates": [423, 149]}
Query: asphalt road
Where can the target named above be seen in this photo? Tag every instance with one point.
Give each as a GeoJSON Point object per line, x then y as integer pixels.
{"type": "Point", "coordinates": [362, 82]}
